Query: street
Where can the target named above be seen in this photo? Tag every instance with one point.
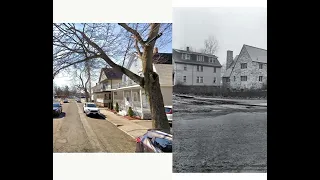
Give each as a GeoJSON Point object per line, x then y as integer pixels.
{"type": "Point", "coordinates": [73, 131]}
{"type": "Point", "coordinates": [213, 136]}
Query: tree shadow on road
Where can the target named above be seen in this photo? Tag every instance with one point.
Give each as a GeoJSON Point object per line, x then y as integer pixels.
{"type": "Point", "coordinates": [63, 114]}
{"type": "Point", "coordinates": [100, 116]}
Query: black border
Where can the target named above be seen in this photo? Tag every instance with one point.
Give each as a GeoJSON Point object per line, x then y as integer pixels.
{"type": "Point", "coordinates": [28, 39]}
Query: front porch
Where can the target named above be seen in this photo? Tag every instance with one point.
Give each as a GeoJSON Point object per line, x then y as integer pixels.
{"type": "Point", "coordinates": [133, 97]}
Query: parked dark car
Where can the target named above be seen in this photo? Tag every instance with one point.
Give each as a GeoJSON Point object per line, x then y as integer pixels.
{"type": "Point", "coordinates": [154, 141]}
{"type": "Point", "coordinates": [57, 109]}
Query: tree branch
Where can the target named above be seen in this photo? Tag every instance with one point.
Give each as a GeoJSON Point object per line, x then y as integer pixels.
{"type": "Point", "coordinates": [134, 32]}
{"type": "Point", "coordinates": [85, 59]}
{"type": "Point", "coordinates": [105, 57]}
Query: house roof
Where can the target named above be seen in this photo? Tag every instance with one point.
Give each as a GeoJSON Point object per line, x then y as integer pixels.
{"type": "Point", "coordinates": [227, 73]}
{"type": "Point", "coordinates": [165, 73]}
{"type": "Point", "coordinates": [111, 73]}
{"type": "Point", "coordinates": [191, 52]}
{"type": "Point", "coordinates": [162, 58]}
{"type": "Point", "coordinates": [256, 54]}
{"type": "Point", "coordinates": [177, 59]}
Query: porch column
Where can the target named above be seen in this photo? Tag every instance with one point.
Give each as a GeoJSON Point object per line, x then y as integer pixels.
{"type": "Point", "coordinates": [124, 100]}
{"type": "Point", "coordinates": [131, 99]}
{"type": "Point", "coordinates": [141, 104]}
{"type": "Point", "coordinates": [112, 99]}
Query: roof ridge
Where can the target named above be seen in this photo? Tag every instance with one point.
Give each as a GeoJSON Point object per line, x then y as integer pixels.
{"type": "Point", "coordinates": [254, 47]}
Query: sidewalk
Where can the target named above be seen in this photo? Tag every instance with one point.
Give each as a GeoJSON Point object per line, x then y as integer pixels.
{"type": "Point", "coordinates": [128, 126]}
{"type": "Point", "coordinates": [249, 102]}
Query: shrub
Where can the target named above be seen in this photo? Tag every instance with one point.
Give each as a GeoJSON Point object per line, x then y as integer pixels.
{"type": "Point", "coordinates": [130, 112]}
{"type": "Point", "coordinates": [117, 107]}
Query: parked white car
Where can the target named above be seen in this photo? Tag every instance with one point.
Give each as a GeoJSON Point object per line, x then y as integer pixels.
{"type": "Point", "coordinates": [90, 109]}
{"type": "Point", "coordinates": [168, 110]}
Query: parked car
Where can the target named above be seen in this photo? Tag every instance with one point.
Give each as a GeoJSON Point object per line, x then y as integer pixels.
{"type": "Point", "coordinates": [90, 109]}
{"type": "Point", "coordinates": [154, 141]}
{"type": "Point", "coordinates": [57, 109]}
{"type": "Point", "coordinates": [78, 100]}
{"type": "Point", "coordinates": [168, 110]}
{"type": "Point", "coordinates": [65, 101]}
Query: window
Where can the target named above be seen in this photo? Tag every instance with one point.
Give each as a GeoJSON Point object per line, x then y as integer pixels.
{"type": "Point", "coordinates": [243, 78]}
{"type": "Point", "coordinates": [109, 96]}
{"type": "Point", "coordinates": [210, 59]}
{"type": "Point", "coordinates": [199, 68]}
{"type": "Point", "coordinates": [243, 65]}
{"type": "Point", "coordinates": [135, 96]}
{"type": "Point", "coordinates": [201, 79]}
{"type": "Point", "coordinates": [185, 67]}
{"type": "Point", "coordinates": [214, 70]}
{"type": "Point", "coordinates": [197, 79]}
{"type": "Point", "coordinates": [234, 78]}
{"type": "Point", "coordinates": [184, 78]}
{"type": "Point", "coordinates": [228, 80]}
{"type": "Point", "coordinates": [200, 58]}
{"type": "Point", "coordinates": [105, 96]}
{"type": "Point", "coordinates": [260, 78]}
{"type": "Point", "coordinates": [214, 79]}
{"type": "Point", "coordinates": [186, 56]}
{"type": "Point", "coordinates": [260, 65]}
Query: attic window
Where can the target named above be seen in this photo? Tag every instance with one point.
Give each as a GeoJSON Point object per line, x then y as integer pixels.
{"type": "Point", "coordinates": [211, 60]}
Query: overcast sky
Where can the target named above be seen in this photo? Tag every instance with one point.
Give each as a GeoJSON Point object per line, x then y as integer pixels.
{"type": "Point", "coordinates": [232, 27]}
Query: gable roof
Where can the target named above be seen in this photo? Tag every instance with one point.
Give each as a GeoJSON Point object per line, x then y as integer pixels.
{"type": "Point", "coordinates": [256, 54]}
{"type": "Point", "coordinates": [227, 73]}
{"type": "Point", "coordinates": [110, 73]}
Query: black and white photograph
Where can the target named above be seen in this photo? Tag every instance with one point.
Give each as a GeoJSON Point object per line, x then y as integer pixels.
{"type": "Point", "coordinates": [220, 89]}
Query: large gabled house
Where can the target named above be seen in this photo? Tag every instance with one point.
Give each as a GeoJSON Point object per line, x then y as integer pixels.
{"type": "Point", "coordinates": [248, 70]}
{"type": "Point", "coordinates": [195, 69]}
{"type": "Point", "coordinates": [109, 80]}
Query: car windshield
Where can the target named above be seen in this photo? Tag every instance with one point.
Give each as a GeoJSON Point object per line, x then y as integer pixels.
{"type": "Point", "coordinates": [164, 145]}
{"type": "Point", "coordinates": [91, 105]}
{"type": "Point", "coordinates": [56, 105]}
{"type": "Point", "coordinates": [167, 109]}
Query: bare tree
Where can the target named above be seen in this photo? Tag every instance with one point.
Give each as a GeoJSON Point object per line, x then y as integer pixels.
{"type": "Point", "coordinates": [76, 43]}
{"type": "Point", "coordinates": [81, 80]}
{"type": "Point", "coordinates": [210, 45]}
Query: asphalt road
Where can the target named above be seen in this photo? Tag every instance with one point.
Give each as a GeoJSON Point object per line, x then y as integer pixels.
{"type": "Point", "coordinates": [214, 138]}
{"type": "Point", "coordinates": [73, 131]}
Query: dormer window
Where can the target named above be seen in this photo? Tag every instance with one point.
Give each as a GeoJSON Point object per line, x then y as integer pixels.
{"type": "Point", "coordinates": [200, 58]}
{"type": "Point", "coordinates": [211, 60]}
{"type": "Point", "coordinates": [185, 56]}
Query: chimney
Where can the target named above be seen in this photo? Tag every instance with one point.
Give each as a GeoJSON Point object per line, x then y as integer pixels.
{"type": "Point", "coordinates": [187, 48]}
{"type": "Point", "coordinates": [155, 50]}
{"type": "Point", "coordinates": [229, 58]}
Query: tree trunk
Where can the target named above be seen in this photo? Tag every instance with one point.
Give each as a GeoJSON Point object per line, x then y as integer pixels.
{"type": "Point", "coordinates": [86, 94]}
{"type": "Point", "coordinates": [158, 114]}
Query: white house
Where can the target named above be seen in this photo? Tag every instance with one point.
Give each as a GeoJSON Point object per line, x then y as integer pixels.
{"type": "Point", "coordinates": [130, 94]}
{"type": "Point", "coordinates": [109, 80]}
{"type": "Point", "coordinates": [115, 87]}
{"type": "Point", "coordinates": [196, 69]}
